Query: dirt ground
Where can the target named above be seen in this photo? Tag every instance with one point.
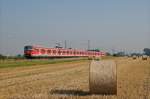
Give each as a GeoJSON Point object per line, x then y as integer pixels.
{"type": "Point", "coordinates": [70, 80]}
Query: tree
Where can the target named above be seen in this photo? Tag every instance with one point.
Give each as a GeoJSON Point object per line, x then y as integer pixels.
{"type": "Point", "coordinates": [2, 56]}
{"type": "Point", "coordinates": [108, 54]}
{"type": "Point", "coordinates": [146, 51]}
{"type": "Point", "coordinates": [119, 54]}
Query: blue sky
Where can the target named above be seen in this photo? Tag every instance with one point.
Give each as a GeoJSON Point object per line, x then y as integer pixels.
{"type": "Point", "coordinates": [109, 24]}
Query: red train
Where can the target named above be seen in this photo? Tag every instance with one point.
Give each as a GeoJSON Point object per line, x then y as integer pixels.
{"type": "Point", "coordinates": [35, 52]}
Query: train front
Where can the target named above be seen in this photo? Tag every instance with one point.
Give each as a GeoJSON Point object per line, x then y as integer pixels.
{"type": "Point", "coordinates": [28, 51]}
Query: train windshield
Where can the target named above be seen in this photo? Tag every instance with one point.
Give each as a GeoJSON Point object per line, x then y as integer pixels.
{"type": "Point", "coordinates": [27, 47]}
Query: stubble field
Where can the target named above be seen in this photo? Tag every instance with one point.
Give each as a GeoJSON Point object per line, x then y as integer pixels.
{"type": "Point", "coordinates": [71, 80]}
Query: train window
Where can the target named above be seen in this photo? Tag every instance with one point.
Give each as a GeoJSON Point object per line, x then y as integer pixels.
{"type": "Point", "coordinates": [48, 51]}
{"type": "Point", "coordinates": [83, 53]}
{"type": "Point", "coordinates": [37, 50]}
{"type": "Point", "coordinates": [54, 51]}
{"type": "Point", "coordinates": [76, 52]}
{"type": "Point", "coordinates": [59, 52]}
{"type": "Point", "coordinates": [27, 47]}
{"type": "Point", "coordinates": [43, 51]}
{"type": "Point", "coordinates": [67, 52]}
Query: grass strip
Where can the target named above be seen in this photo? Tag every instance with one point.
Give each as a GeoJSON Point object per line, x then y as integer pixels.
{"type": "Point", "coordinates": [34, 62]}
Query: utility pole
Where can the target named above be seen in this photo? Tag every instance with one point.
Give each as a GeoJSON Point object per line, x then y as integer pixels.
{"type": "Point", "coordinates": [65, 44]}
{"type": "Point", "coordinates": [88, 44]}
{"type": "Point", "coordinates": [113, 51]}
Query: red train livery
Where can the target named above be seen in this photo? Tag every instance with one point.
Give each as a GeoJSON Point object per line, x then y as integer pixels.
{"type": "Point", "coordinates": [35, 51]}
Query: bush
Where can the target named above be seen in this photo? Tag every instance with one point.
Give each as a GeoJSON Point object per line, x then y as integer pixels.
{"type": "Point", "coordinates": [2, 56]}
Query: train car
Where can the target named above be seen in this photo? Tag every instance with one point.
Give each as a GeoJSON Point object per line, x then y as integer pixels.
{"type": "Point", "coordinates": [39, 52]}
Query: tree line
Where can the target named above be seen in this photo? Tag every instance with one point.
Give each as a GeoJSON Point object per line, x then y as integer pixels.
{"type": "Point", "coordinates": [146, 51]}
{"type": "Point", "coordinates": [19, 56]}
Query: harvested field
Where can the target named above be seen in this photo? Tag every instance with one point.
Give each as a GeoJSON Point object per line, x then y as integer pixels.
{"type": "Point", "coordinates": [70, 80]}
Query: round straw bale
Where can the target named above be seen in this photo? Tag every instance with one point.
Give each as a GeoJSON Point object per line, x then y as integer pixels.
{"type": "Point", "coordinates": [97, 58]}
{"type": "Point", "coordinates": [103, 77]}
{"type": "Point", "coordinates": [144, 57]}
{"type": "Point", "coordinates": [90, 58]}
{"type": "Point", "coordinates": [134, 56]}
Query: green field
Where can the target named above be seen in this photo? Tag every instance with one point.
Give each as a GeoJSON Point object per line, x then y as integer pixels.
{"type": "Point", "coordinates": [21, 63]}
